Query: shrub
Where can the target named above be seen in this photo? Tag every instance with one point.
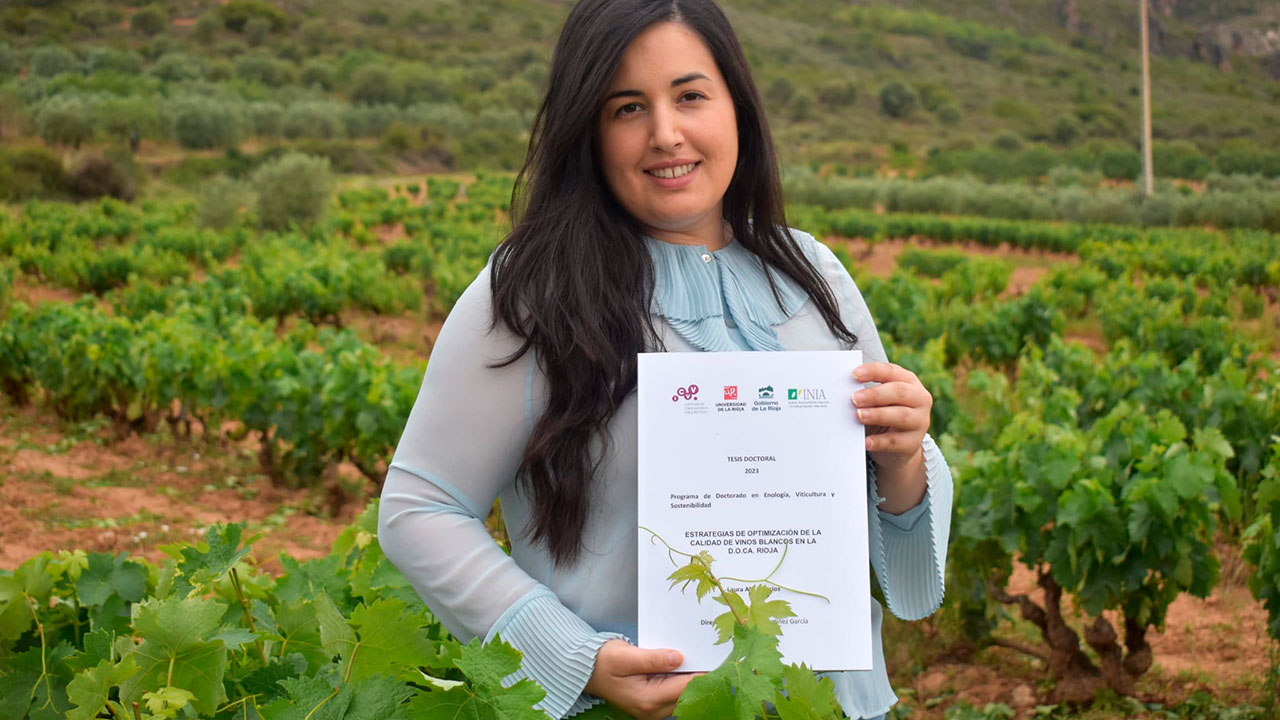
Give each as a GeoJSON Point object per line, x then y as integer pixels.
{"type": "Point", "coordinates": [1179, 159]}
{"type": "Point", "coordinates": [1066, 130]}
{"type": "Point", "coordinates": [179, 67]}
{"type": "Point", "coordinates": [262, 68]}
{"type": "Point", "coordinates": [265, 119]}
{"type": "Point", "coordinates": [95, 17]}
{"type": "Point", "coordinates": [236, 14]}
{"type": "Point", "coordinates": [126, 62]}
{"type": "Point", "coordinates": [1120, 164]}
{"type": "Point", "coordinates": [317, 72]}
{"type": "Point", "coordinates": [8, 60]}
{"type": "Point", "coordinates": [292, 189]}
{"type": "Point", "coordinates": [318, 120]}
{"type": "Point", "coordinates": [207, 28]}
{"type": "Point", "coordinates": [149, 21]}
{"type": "Point", "coordinates": [218, 202]}
{"type": "Point", "coordinates": [51, 60]}
{"type": "Point", "coordinates": [256, 31]}
{"type": "Point", "coordinates": [64, 121]}
{"type": "Point", "coordinates": [838, 94]}
{"type": "Point", "coordinates": [949, 114]}
{"type": "Point", "coordinates": [96, 175]}
{"type": "Point", "coordinates": [32, 172]}
{"type": "Point", "coordinates": [419, 83]}
{"type": "Point", "coordinates": [199, 123]}
{"type": "Point", "coordinates": [897, 100]}
{"type": "Point", "coordinates": [373, 85]}
{"type": "Point", "coordinates": [1008, 141]}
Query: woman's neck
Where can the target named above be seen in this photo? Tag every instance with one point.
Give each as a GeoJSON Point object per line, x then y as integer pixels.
{"type": "Point", "coordinates": [714, 234]}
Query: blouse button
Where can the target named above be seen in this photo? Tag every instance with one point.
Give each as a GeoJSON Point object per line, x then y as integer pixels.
{"type": "Point", "coordinates": [706, 258]}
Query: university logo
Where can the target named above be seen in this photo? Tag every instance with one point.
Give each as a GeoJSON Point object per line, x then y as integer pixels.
{"type": "Point", "coordinates": [730, 392]}
{"type": "Point", "coordinates": [765, 393]}
{"type": "Point", "coordinates": [687, 393]}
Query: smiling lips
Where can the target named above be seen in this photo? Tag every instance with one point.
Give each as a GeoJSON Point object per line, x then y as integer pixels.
{"type": "Point", "coordinates": [670, 173]}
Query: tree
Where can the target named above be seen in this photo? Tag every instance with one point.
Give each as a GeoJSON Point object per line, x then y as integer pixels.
{"type": "Point", "coordinates": [200, 123]}
{"type": "Point", "coordinates": [64, 122]}
{"type": "Point", "coordinates": [51, 60]}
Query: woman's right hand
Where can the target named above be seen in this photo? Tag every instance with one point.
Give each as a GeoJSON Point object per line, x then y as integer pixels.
{"type": "Point", "coordinates": [637, 681]}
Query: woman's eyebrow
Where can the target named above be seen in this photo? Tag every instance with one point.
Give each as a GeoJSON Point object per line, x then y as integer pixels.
{"type": "Point", "coordinates": [674, 83]}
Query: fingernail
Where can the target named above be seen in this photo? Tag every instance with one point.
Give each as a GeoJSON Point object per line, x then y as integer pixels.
{"type": "Point", "coordinates": [859, 373]}
{"type": "Point", "coordinates": [860, 418]}
{"type": "Point", "coordinates": [674, 659]}
{"type": "Point", "coordinates": [857, 398]}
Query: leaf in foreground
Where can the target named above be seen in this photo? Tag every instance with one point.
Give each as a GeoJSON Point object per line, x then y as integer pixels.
{"type": "Point", "coordinates": [177, 651]}
{"type": "Point", "coordinates": [90, 690]}
{"type": "Point", "coordinates": [748, 676]}
{"type": "Point", "coordinates": [807, 697]}
{"type": "Point", "coordinates": [483, 697]}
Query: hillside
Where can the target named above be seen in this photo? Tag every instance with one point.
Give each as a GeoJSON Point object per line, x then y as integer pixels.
{"type": "Point", "coordinates": [434, 84]}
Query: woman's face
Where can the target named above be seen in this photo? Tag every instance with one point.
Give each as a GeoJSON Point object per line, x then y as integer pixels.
{"type": "Point", "coordinates": [669, 136]}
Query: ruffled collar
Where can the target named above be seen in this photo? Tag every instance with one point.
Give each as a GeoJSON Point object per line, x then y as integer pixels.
{"type": "Point", "coordinates": [697, 290]}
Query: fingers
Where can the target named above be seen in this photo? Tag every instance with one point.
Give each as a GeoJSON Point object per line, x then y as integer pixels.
{"type": "Point", "coordinates": [631, 660]}
{"type": "Point", "coordinates": [883, 372]}
{"type": "Point", "coordinates": [898, 443]}
{"type": "Point", "coordinates": [892, 417]}
{"type": "Point", "coordinates": [660, 694]}
{"type": "Point", "coordinates": [894, 393]}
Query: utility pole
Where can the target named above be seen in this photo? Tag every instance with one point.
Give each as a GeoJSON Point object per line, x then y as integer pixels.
{"type": "Point", "coordinates": [1147, 171]}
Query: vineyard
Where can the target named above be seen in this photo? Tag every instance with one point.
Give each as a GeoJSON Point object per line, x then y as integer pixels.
{"type": "Point", "coordinates": [1112, 421]}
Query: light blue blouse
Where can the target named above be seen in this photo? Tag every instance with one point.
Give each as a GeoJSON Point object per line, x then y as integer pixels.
{"type": "Point", "coordinates": [464, 438]}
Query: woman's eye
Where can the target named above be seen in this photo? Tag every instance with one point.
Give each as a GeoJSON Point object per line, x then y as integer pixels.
{"type": "Point", "coordinates": [627, 109]}
{"type": "Point", "coordinates": [691, 94]}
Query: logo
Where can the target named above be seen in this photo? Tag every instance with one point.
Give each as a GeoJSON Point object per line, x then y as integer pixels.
{"type": "Point", "coordinates": [730, 392]}
{"type": "Point", "coordinates": [812, 398]}
{"type": "Point", "coordinates": [765, 393]}
{"type": "Point", "coordinates": [687, 393]}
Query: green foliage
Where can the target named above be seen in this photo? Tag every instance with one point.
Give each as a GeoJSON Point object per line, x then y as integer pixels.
{"type": "Point", "coordinates": [236, 14]}
{"type": "Point", "coordinates": [294, 189]}
{"type": "Point", "coordinates": [1118, 164]}
{"type": "Point", "coordinates": [206, 633]}
{"type": "Point", "coordinates": [51, 60]}
{"type": "Point", "coordinates": [219, 201]}
{"type": "Point", "coordinates": [148, 20]}
{"type": "Point", "coordinates": [897, 100]}
{"type": "Point", "coordinates": [64, 122]}
{"type": "Point", "coordinates": [201, 123]}
{"type": "Point", "coordinates": [1262, 542]}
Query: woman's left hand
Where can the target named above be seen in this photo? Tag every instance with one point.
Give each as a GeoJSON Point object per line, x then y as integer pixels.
{"type": "Point", "coordinates": [896, 412]}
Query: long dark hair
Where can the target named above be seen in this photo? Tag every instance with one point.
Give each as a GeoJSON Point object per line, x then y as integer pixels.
{"type": "Point", "coordinates": [574, 281]}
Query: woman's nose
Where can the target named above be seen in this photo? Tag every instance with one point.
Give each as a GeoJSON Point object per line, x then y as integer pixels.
{"type": "Point", "coordinates": [666, 133]}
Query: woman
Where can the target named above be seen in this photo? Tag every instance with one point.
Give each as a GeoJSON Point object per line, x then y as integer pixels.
{"type": "Point", "coordinates": [648, 216]}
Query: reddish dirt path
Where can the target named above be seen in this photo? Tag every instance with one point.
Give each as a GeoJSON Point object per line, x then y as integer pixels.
{"type": "Point", "coordinates": [67, 487]}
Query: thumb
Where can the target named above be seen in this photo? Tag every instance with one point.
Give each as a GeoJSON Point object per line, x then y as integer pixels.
{"type": "Point", "coordinates": [637, 661]}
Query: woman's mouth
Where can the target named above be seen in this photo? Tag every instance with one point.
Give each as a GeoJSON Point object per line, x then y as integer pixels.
{"type": "Point", "coordinates": [674, 177]}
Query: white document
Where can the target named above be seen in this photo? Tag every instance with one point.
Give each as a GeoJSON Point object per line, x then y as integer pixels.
{"type": "Point", "coordinates": [745, 455]}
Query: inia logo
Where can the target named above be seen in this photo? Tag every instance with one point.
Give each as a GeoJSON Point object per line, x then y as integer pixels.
{"type": "Point", "coordinates": [806, 394]}
{"type": "Point", "coordinates": [685, 393]}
